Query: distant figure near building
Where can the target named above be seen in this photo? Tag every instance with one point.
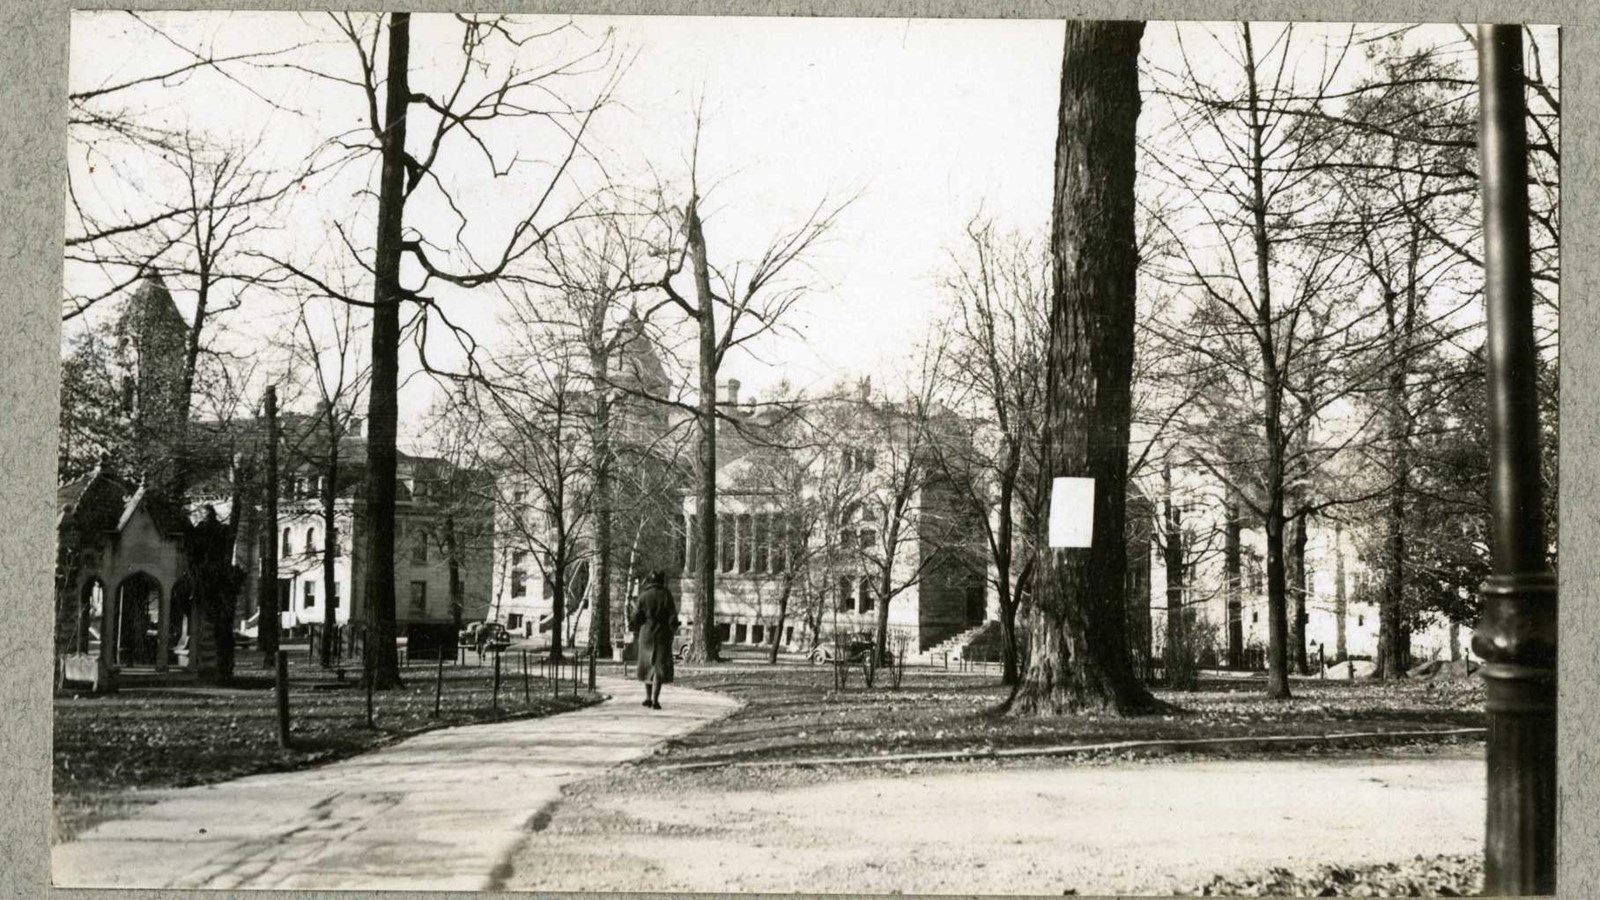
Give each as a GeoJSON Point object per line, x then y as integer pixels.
{"type": "Point", "coordinates": [656, 620]}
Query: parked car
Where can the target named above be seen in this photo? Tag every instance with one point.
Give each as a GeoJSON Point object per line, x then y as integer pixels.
{"type": "Point", "coordinates": [482, 636]}
{"type": "Point", "coordinates": [855, 647]}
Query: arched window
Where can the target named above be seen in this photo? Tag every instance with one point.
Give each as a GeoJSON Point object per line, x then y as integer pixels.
{"type": "Point", "coordinates": [311, 540]}
{"type": "Point", "coordinates": [287, 547]}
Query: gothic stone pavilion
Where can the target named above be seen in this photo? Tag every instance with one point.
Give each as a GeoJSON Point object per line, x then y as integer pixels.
{"type": "Point", "coordinates": [123, 596]}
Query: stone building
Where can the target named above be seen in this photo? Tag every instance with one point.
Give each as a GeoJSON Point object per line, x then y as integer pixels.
{"type": "Point", "coordinates": [443, 521]}
{"type": "Point", "coordinates": [937, 582]}
{"type": "Point", "coordinates": [122, 538]}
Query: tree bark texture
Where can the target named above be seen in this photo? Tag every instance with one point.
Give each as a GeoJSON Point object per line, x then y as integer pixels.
{"type": "Point", "coordinates": [1233, 580]}
{"type": "Point", "coordinates": [452, 550]}
{"type": "Point", "coordinates": [1341, 602]}
{"type": "Point", "coordinates": [383, 662]}
{"type": "Point", "coordinates": [1177, 662]}
{"type": "Point", "coordinates": [1272, 389]}
{"type": "Point", "coordinates": [1299, 584]}
{"type": "Point", "coordinates": [1080, 656]}
{"type": "Point", "coordinates": [271, 611]}
{"type": "Point", "coordinates": [600, 522]}
{"type": "Point", "coordinates": [330, 550]}
{"type": "Point", "coordinates": [783, 613]}
{"type": "Point", "coordinates": [705, 648]}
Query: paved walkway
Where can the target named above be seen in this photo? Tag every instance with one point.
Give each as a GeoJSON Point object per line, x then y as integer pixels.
{"type": "Point", "coordinates": [445, 810]}
{"type": "Point", "coordinates": [1125, 828]}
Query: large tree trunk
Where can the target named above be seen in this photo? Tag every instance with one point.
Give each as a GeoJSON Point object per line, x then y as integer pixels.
{"type": "Point", "coordinates": [271, 612]}
{"type": "Point", "coordinates": [1391, 662]}
{"type": "Point", "coordinates": [1272, 388]}
{"type": "Point", "coordinates": [1177, 661]}
{"type": "Point", "coordinates": [330, 549]}
{"type": "Point", "coordinates": [1277, 605]}
{"type": "Point", "coordinates": [558, 604]}
{"type": "Point", "coordinates": [1233, 580]}
{"type": "Point", "coordinates": [1340, 599]}
{"type": "Point", "coordinates": [1299, 584]}
{"type": "Point", "coordinates": [452, 549]}
{"type": "Point", "coordinates": [600, 522]}
{"type": "Point", "coordinates": [1393, 637]}
{"type": "Point", "coordinates": [1080, 657]}
{"type": "Point", "coordinates": [783, 613]}
{"type": "Point", "coordinates": [1011, 669]}
{"type": "Point", "coordinates": [383, 662]}
{"type": "Point", "coordinates": [705, 648]}
{"type": "Point", "coordinates": [891, 541]}
{"type": "Point", "coordinates": [178, 486]}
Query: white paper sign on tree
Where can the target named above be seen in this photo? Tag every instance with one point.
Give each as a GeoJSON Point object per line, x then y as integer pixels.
{"type": "Point", "coordinates": [1071, 512]}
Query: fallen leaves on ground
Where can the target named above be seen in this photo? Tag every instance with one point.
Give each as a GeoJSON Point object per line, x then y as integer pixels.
{"type": "Point", "coordinates": [796, 712]}
{"type": "Point", "coordinates": [1421, 876]}
{"type": "Point", "coordinates": [182, 736]}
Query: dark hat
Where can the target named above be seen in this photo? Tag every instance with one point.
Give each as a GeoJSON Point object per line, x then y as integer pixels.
{"type": "Point", "coordinates": [656, 578]}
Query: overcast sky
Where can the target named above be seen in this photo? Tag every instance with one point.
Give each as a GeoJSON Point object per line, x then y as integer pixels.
{"type": "Point", "coordinates": [930, 122]}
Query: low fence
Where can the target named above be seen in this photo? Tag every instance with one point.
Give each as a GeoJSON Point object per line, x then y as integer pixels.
{"type": "Point", "coordinates": [507, 672]}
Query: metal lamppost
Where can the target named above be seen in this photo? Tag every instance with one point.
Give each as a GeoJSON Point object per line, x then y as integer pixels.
{"type": "Point", "coordinates": [1516, 635]}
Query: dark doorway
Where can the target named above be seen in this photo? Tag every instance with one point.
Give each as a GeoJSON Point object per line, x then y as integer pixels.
{"type": "Point", "coordinates": [138, 618]}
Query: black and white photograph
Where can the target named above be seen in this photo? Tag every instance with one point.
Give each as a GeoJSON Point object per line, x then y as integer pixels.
{"type": "Point", "coordinates": [652, 454]}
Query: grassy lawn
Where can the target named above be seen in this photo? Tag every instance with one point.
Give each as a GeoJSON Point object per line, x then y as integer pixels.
{"type": "Point", "coordinates": [181, 736]}
{"type": "Point", "coordinates": [793, 712]}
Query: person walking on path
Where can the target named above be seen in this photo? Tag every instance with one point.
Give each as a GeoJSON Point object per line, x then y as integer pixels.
{"type": "Point", "coordinates": [656, 620]}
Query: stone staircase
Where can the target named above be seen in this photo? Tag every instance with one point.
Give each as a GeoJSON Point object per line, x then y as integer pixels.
{"type": "Point", "coordinates": [950, 650]}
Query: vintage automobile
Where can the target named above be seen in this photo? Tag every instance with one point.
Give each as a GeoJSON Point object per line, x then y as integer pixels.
{"type": "Point", "coordinates": [482, 636]}
{"type": "Point", "coordinates": [852, 648]}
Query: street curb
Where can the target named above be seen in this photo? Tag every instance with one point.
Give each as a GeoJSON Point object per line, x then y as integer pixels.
{"type": "Point", "coordinates": [1148, 747]}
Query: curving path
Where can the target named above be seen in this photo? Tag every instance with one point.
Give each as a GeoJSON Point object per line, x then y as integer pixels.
{"type": "Point", "coordinates": [445, 810]}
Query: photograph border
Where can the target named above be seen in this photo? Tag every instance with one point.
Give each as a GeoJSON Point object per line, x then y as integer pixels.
{"type": "Point", "coordinates": [33, 78]}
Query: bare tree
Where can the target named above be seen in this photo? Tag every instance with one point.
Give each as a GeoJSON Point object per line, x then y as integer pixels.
{"type": "Point", "coordinates": [532, 441]}
{"type": "Point", "coordinates": [728, 307]}
{"type": "Point", "coordinates": [502, 78]}
{"type": "Point", "coordinates": [994, 367]}
{"type": "Point", "coordinates": [592, 268]}
{"type": "Point", "coordinates": [1079, 656]}
{"type": "Point", "coordinates": [120, 220]}
{"type": "Point", "coordinates": [333, 358]}
{"type": "Point", "coordinates": [1272, 306]}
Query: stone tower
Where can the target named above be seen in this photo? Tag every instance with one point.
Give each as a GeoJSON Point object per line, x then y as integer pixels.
{"type": "Point", "coordinates": [150, 346]}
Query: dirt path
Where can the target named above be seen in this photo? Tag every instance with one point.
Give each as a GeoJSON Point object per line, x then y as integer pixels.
{"type": "Point", "coordinates": [1150, 828]}
{"type": "Point", "coordinates": [443, 810]}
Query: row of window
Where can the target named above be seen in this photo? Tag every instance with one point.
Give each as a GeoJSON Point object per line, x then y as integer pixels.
{"type": "Point", "coordinates": [308, 596]}
{"type": "Point", "coordinates": [286, 543]}
{"type": "Point", "coordinates": [742, 633]}
{"type": "Point", "coordinates": [1255, 618]}
{"type": "Point", "coordinates": [419, 545]}
{"type": "Point", "coordinates": [756, 542]}
{"type": "Point", "coordinates": [856, 594]}
{"type": "Point", "coordinates": [519, 576]}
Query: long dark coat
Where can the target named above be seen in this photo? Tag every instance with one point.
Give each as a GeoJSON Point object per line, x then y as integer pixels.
{"type": "Point", "coordinates": [656, 619]}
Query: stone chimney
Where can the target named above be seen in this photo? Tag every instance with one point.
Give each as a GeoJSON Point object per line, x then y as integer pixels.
{"type": "Point", "coordinates": [731, 396]}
